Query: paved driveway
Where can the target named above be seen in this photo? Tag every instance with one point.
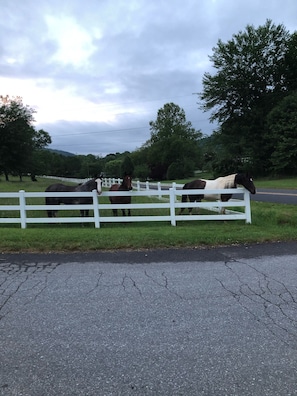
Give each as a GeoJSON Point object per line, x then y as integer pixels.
{"type": "Point", "coordinates": [186, 322]}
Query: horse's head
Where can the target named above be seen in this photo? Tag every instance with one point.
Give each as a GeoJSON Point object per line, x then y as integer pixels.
{"type": "Point", "coordinates": [98, 182]}
{"type": "Point", "coordinates": [245, 180]}
{"type": "Point", "coordinates": [127, 182]}
{"type": "Point", "coordinates": [90, 185]}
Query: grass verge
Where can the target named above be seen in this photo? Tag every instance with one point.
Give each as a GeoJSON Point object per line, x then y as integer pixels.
{"type": "Point", "coordinates": [270, 223]}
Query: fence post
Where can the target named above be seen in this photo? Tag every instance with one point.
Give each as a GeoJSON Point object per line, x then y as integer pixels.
{"type": "Point", "coordinates": [96, 209]}
{"type": "Point", "coordinates": [174, 187]}
{"type": "Point", "coordinates": [147, 185]}
{"type": "Point", "coordinates": [247, 203]}
{"type": "Point", "coordinates": [138, 185]}
{"type": "Point", "coordinates": [160, 190]}
{"type": "Point", "coordinates": [172, 206]}
{"type": "Point", "coordinates": [23, 208]}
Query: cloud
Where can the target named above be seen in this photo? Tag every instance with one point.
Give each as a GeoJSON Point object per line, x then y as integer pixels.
{"type": "Point", "coordinates": [97, 74]}
{"type": "Point", "coordinates": [74, 44]}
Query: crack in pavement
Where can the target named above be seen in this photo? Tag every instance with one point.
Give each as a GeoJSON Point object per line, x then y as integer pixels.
{"type": "Point", "coordinates": [19, 278]}
{"type": "Point", "coordinates": [98, 282]}
{"type": "Point", "coordinates": [270, 301]}
{"type": "Point", "coordinates": [134, 284]}
{"type": "Point", "coordinates": [164, 284]}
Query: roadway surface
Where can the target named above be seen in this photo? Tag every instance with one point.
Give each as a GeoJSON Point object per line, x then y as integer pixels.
{"type": "Point", "coordinates": [285, 196]}
{"type": "Point", "coordinates": [170, 322]}
{"type": "Point", "coordinates": [275, 196]}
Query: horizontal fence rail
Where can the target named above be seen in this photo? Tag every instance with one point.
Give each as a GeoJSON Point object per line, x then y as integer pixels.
{"type": "Point", "coordinates": [167, 203]}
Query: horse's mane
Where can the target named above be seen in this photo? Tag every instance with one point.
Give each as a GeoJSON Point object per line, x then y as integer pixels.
{"type": "Point", "coordinates": [85, 185]}
{"type": "Point", "coordinates": [229, 181]}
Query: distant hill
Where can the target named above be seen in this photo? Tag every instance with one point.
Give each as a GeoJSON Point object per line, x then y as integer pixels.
{"type": "Point", "coordinates": [61, 152]}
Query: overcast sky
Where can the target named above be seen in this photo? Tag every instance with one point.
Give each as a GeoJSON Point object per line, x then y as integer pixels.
{"type": "Point", "coordinates": [97, 71]}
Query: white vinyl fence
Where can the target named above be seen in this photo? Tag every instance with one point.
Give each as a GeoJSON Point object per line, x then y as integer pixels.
{"type": "Point", "coordinates": [22, 209]}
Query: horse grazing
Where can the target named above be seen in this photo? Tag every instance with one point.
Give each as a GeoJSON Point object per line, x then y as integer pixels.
{"type": "Point", "coordinates": [230, 181]}
{"type": "Point", "coordinates": [126, 185]}
{"type": "Point", "coordinates": [90, 185]}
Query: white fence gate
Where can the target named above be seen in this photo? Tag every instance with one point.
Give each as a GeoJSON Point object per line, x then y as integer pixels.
{"type": "Point", "coordinates": [168, 200]}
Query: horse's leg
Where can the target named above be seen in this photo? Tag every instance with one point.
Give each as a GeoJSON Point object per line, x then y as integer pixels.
{"type": "Point", "coordinates": [124, 212]}
{"type": "Point", "coordinates": [115, 212]}
{"type": "Point", "coordinates": [48, 202]}
{"type": "Point", "coordinates": [192, 198]}
{"type": "Point", "coordinates": [84, 213]}
{"type": "Point", "coordinates": [184, 199]}
{"type": "Point", "coordinates": [224, 198]}
{"type": "Point", "coordinates": [52, 213]}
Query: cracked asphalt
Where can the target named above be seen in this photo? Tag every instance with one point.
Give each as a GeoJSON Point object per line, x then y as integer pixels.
{"type": "Point", "coordinates": [219, 321]}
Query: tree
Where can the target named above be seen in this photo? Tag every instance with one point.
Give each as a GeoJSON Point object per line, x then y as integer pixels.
{"type": "Point", "coordinates": [173, 140]}
{"type": "Point", "coordinates": [113, 168]}
{"type": "Point", "coordinates": [91, 166]}
{"type": "Point", "coordinates": [18, 138]}
{"type": "Point", "coordinates": [282, 124]}
{"type": "Point", "coordinates": [252, 77]}
{"type": "Point", "coordinates": [249, 66]}
{"type": "Point", "coordinates": [290, 61]}
{"type": "Point", "coordinates": [127, 167]}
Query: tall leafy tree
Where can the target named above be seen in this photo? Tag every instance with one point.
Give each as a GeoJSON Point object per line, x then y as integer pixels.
{"type": "Point", "coordinates": [282, 124]}
{"type": "Point", "coordinates": [251, 78]}
{"type": "Point", "coordinates": [18, 138]}
{"type": "Point", "coordinates": [127, 167]}
{"type": "Point", "coordinates": [291, 69]}
{"type": "Point", "coordinates": [113, 168]}
{"type": "Point", "coordinates": [173, 141]}
{"type": "Point", "coordinates": [249, 66]}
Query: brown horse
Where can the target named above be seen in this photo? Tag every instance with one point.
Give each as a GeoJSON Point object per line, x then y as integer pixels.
{"type": "Point", "coordinates": [126, 185]}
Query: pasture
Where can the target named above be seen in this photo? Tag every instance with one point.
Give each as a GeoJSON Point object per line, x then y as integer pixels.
{"type": "Point", "coordinates": [270, 222]}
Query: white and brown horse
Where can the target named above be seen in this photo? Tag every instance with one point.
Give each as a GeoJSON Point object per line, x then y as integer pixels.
{"type": "Point", "coordinates": [126, 185]}
{"type": "Point", "coordinates": [230, 181]}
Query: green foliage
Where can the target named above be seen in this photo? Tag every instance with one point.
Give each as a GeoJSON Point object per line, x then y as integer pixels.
{"type": "Point", "coordinates": [248, 66]}
{"type": "Point", "coordinates": [180, 169]}
{"type": "Point", "coordinates": [173, 141]}
{"type": "Point", "coordinates": [290, 63]}
{"type": "Point", "coordinates": [141, 172]}
{"type": "Point", "coordinates": [127, 167]}
{"type": "Point", "coordinates": [18, 138]}
{"type": "Point", "coordinates": [282, 124]}
{"type": "Point", "coordinates": [113, 168]}
{"type": "Point", "coordinates": [255, 70]}
{"type": "Point", "coordinates": [91, 166]}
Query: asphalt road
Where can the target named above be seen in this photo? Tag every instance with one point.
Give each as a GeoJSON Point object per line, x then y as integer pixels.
{"type": "Point", "coordinates": [284, 196]}
{"type": "Point", "coordinates": [275, 196]}
{"type": "Point", "coordinates": [170, 322]}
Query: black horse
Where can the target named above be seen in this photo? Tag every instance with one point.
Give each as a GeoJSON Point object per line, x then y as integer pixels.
{"type": "Point", "coordinates": [90, 185]}
{"type": "Point", "coordinates": [231, 181]}
{"type": "Point", "coordinates": [126, 185]}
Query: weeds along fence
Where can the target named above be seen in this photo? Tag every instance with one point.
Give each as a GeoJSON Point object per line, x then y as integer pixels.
{"type": "Point", "coordinates": [148, 203]}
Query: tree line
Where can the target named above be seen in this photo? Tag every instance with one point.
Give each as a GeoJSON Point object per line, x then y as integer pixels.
{"type": "Point", "coordinates": [252, 95]}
